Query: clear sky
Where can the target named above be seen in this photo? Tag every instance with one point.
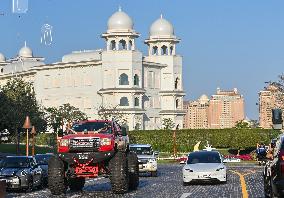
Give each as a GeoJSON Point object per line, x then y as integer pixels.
{"type": "Point", "coordinates": [224, 43]}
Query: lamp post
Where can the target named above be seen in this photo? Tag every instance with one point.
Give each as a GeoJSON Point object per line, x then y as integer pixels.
{"type": "Point", "coordinates": [27, 126]}
{"type": "Point", "coordinates": [33, 145]}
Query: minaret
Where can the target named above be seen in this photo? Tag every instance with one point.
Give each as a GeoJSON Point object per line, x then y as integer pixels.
{"type": "Point", "coordinates": [162, 49]}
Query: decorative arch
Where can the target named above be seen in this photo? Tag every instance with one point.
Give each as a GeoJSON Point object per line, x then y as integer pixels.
{"type": "Point", "coordinates": [176, 83]}
{"type": "Point", "coordinates": [113, 45]}
{"type": "Point", "coordinates": [130, 45]}
{"type": "Point", "coordinates": [136, 102]}
{"type": "Point", "coordinates": [171, 50]}
{"type": "Point", "coordinates": [123, 101]}
{"type": "Point", "coordinates": [136, 80]}
{"type": "Point", "coordinates": [164, 50]}
{"type": "Point", "coordinates": [123, 79]}
{"type": "Point", "coordinates": [122, 45]}
{"type": "Point", "coordinates": [155, 50]}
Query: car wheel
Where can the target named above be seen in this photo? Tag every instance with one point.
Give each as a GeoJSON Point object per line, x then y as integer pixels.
{"type": "Point", "coordinates": [154, 174]}
{"type": "Point", "coordinates": [30, 185]}
{"type": "Point", "coordinates": [185, 183]}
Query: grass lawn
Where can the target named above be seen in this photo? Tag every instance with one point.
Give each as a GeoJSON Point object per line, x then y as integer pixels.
{"type": "Point", "coordinates": [12, 149]}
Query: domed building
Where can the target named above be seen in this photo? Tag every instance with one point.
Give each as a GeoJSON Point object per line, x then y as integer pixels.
{"type": "Point", "coordinates": [144, 89]}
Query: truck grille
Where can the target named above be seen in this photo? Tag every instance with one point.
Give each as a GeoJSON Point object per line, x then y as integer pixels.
{"type": "Point", "coordinates": [84, 144]}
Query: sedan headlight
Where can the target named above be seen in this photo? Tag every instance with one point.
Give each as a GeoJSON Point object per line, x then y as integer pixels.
{"type": "Point", "coordinates": [64, 142]}
{"type": "Point", "coordinates": [222, 168]}
{"type": "Point", "coordinates": [105, 141]}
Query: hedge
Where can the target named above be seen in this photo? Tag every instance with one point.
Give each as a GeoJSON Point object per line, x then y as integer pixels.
{"type": "Point", "coordinates": [162, 140]}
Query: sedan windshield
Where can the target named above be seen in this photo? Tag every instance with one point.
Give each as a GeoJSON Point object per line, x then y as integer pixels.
{"type": "Point", "coordinates": [42, 159]}
{"type": "Point", "coordinates": [142, 150]}
{"type": "Point", "coordinates": [15, 162]}
{"type": "Point", "coordinates": [203, 157]}
{"type": "Point", "coordinates": [101, 127]}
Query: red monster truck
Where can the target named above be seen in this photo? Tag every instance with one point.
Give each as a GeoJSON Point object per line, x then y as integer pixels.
{"type": "Point", "coordinates": [91, 149]}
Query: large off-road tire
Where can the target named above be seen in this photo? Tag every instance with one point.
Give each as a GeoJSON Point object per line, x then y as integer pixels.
{"type": "Point", "coordinates": [133, 171]}
{"type": "Point", "coordinates": [76, 184]}
{"type": "Point", "coordinates": [56, 176]}
{"type": "Point", "coordinates": [154, 174]}
{"type": "Point", "coordinates": [119, 173]}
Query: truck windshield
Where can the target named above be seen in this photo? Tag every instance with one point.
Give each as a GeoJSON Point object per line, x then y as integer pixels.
{"type": "Point", "coordinates": [142, 150]}
{"type": "Point", "coordinates": [100, 127]}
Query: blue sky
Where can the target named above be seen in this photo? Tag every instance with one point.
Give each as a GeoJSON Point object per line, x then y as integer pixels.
{"type": "Point", "coordinates": [224, 43]}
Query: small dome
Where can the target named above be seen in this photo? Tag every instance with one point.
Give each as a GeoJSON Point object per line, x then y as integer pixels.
{"type": "Point", "coordinates": [120, 21]}
{"type": "Point", "coordinates": [25, 52]}
{"type": "Point", "coordinates": [161, 27]}
{"type": "Point", "coordinates": [2, 58]}
{"type": "Point", "coordinates": [203, 97]}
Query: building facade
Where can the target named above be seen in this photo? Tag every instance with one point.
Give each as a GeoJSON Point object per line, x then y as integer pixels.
{"type": "Point", "coordinates": [268, 100]}
{"type": "Point", "coordinates": [146, 89]}
{"type": "Point", "coordinates": [222, 110]}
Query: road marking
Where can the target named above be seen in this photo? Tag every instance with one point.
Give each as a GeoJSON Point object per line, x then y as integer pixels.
{"type": "Point", "coordinates": [185, 195]}
{"type": "Point", "coordinates": [243, 183]}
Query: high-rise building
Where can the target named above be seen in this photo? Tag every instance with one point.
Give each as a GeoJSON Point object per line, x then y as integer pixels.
{"type": "Point", "coordinates": [226, 108]}
{"type": "Point", "coordinates": [197, 113]}
{"type": "Point", "coordinates": [268, 100]}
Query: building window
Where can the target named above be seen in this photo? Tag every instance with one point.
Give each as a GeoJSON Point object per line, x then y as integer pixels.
{"type": "Point", "coordinates": [177, 103]}
{"type": "Point", "coordinates": [176, 83]}
{"type": "Point", "coordinates": [1, 70]}
{"type": "Point", "coordinates": [122, 45]}
{"type": "Point", "coordinates": [151, 79]}
{"type": "Point", "coordinates": [136, 80]}
{"type": "Point", "coordinates": [164, 50]}
{"type": "Point", "coordinates": [130, 45]}
{"type": "Point", "coordinates": [136, 102]}
{"type": "Point", "coordinates": [112, 45]}
{"type": "Point", "coordinates": [155, 50]}
{"type": "Point", "coordinates": [123, 79]}
{"type": "Point", "coordinates": [124, 101]}
{"type": "Point", "coordinates": [171, 50]}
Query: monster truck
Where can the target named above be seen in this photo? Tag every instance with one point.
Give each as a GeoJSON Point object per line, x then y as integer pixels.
{"type": "Point", "coordinates": [91, 149]}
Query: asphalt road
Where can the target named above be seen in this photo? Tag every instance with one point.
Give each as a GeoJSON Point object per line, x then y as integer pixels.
{"type": "Point", "coordinates": [168, 184]}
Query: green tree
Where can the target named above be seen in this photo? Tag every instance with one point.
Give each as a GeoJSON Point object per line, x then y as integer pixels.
{"type": "Point", "coordinates": [109, 113]}
{"type": "Point", "coordinates": [168, 123]}
{"type": "Point", "coordinates": [242, 124]}
{"type": "Point", "coordinates": [17, 99]}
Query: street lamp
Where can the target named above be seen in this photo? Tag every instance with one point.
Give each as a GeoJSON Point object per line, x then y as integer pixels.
{"type": "Point", "coordinates": [27, 125]}
{"type": "Point", "coordinates": [33, 145]}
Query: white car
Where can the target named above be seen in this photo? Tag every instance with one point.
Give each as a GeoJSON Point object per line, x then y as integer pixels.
{"type": "Point", "coordinates": [146, 158]}
{"type": "Point", "coordinates": [231, 159]}
{"type": "Point", "coordinates": [204, 166]}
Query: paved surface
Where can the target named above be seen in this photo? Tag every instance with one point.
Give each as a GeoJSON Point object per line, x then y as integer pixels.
{"type": "Point", "coordinates": [169, 184]}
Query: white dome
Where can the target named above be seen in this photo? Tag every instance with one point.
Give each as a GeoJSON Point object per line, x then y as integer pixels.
{"type": "Point", "coordinates": [120, 21]}
{"type": "Point", "coordinates": [161, 27]}
{"type": "Point", "coordinates": [25, 52]}
{"type": "Point", "coordinates": [203, 97]}
{"type": "Point", "coordinates": [2, 58]}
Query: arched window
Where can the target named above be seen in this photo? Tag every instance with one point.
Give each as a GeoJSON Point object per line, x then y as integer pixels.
{"type": "Point", "coordinates": [2, 70]}
{"type": "Point", "coordinates": [136, 102]}
{"type": "Point", "coordinates": [124, 101]}
{"type": "Point", "coordinates": [137, 126]}
{"type": "Point", "coordinates": [177, 103]}
{"type": "Point", "coordinates": [176, 83]}
{"type": "Point", "coordinates": [112, 45]}
{"type": "Point", "coordinates": [123, 79]}
{"type": "Point", "coordinates": [155, 50]}
{"type": "Point", "coordinates": [171, 50]}
{"type": "Point", "coordinates": [136, 80]}
{"type": "Point", "coordinates": [164, 50]}
{"type": "Point", "coordinates": [122, 45]}
{"type": "Point", "coordinates": [130, 45]}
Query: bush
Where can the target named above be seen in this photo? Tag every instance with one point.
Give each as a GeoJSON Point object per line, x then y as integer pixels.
{"type": "Point", "coordinates": [162, 140]}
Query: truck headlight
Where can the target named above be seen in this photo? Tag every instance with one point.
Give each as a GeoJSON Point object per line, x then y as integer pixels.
{"type": "Point", "coordinates": [23, 173]}
{"type": "Point", "coordinates": [64, 142]}
{"type": "Point", "coordinates": [105, 141]}
{"type": "Point", "coordinates": [152, 160]}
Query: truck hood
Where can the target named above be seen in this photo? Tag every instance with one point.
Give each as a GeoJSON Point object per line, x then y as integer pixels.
{"type": "Point", "coordinates": [88, 135]}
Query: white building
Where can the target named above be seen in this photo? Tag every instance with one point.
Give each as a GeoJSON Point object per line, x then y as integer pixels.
{"type": "Point", "coordinates": [146, 89]}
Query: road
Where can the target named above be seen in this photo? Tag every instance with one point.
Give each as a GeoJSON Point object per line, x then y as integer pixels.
{"type": "Point", "coordinates": [168, 184]}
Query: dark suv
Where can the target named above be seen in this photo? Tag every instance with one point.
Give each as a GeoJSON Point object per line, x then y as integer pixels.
{"type": "Point", "coordinates": [273, 173]}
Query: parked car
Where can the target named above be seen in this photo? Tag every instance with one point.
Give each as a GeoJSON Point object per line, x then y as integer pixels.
{"type": "Point", "coordinates": [20, 172]}
{"type": "Point", "coordinates": [146, 158]}
{"type": "Point", "coordinates": [42, 161]}
{"type": "Point", "coordinates": [273, 174]}
{"type": "Point", "coordinates": [229, 158]}
{"type": "Point", "coordinates": [204, 166]}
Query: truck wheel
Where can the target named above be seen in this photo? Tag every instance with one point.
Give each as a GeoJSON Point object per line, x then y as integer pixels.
{"type": "Point", "coordinates": [76, 184]}
{"type": "Point", "coordinates": [56, 176]}
{"type": "Point", "coordinates": [133, 170]}
{"type": "Point", "coordinates": [154, 174]}
{"type": "Point", "coordinates": [119, 173]}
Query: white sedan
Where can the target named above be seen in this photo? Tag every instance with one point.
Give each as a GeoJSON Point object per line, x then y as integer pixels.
{"type": "Point", "coordinates": [204, 166]}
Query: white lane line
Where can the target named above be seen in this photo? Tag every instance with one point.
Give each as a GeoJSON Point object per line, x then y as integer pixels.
{"type": "Point", "coordinates": [185, 195]}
